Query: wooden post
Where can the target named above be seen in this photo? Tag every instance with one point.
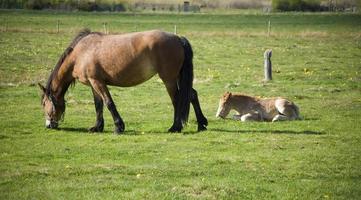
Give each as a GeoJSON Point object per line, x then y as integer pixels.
{"type": "Point", "coordinates": [6, 25]}
{"type": "Point", "coordinates": [57, 26]}
{"type": "Point", "coordinates": [186, 6]}
{"type": "Point", "coordinates": [175, 29]}
{"type": "Point", "coordinates": [269, 28]}
{"type": "Point", "coordinates": [267, 65]}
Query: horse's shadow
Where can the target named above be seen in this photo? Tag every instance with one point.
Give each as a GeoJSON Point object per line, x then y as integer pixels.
{"type": "Point", "coordinates": [85, 130]}
{"type": "Point", "coordinates": [126, 132]}
{"type": "Point", "coordinates": [72, 129]}
{"type": "Point", "coordinates": [190, 132]}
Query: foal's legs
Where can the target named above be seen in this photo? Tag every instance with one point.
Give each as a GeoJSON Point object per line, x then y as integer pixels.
{"type": "Point", "coordinates": [202, 121]}
{"type": "Point", "coordinates": [102, 90]}
{"type": "Point", "coordinates": [253, 116]}
{"type": "Point", "coordinates": [98, 102]}
{"type": "Point", "coordinates": [280, 118]}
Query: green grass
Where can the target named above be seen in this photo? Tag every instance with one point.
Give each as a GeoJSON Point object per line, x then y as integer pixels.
{"type": "Point", "coordinates": [317, 63]}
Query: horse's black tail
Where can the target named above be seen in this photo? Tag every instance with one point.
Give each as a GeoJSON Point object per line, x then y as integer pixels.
{"type": "Point", "coordinates": [185, 83]}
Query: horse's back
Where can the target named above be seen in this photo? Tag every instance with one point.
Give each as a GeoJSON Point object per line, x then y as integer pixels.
{"type": "Point", "coordinates": [129, 59]}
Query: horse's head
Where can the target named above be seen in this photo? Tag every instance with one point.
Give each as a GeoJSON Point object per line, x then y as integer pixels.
{"type": "Point", "coordinates": [224, 106]}
{"type": "Point", "coordinates": [53, 108]}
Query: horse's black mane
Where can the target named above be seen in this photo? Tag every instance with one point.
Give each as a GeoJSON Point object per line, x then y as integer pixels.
{"type": "Point", "coordinates": [68, 50]}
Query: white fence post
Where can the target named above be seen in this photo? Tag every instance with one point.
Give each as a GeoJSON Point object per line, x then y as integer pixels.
{"type": "Point", "coordinates": [105, 27]}
{"type": "Point", "coordinates": [57, 26]}
{"type": "Point", "coordinates": [267, 65]}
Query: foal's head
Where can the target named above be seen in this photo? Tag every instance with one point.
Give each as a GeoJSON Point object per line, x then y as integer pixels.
{"type": "Point", "coordinates": [53, 108]}
{"type": "Point", "coordinates": [224, 106]}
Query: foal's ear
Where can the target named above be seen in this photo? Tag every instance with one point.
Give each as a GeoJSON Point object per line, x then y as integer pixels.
{"type": "Point", "coordinates": [42, 88]}
{"type": "Point", "coordinates": [226, 95]}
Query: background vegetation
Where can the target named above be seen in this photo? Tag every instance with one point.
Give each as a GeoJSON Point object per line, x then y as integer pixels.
{"type": "Point", "coordinates": [317, 64]}
{"type": "Point", "coordinates": [177, 5]}
{"type": "Point", "coordinates": [298, 5]}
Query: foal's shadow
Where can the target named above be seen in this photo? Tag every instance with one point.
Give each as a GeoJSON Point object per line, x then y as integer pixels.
{"type": "Point", "coordinates": [306, 132]}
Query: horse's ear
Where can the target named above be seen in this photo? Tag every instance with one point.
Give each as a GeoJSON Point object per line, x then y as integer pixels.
{"type": "Point", "coordinates": [42, 88]}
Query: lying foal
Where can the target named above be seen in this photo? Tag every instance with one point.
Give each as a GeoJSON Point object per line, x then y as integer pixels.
{"type": "Point", "coordinates": [257, 109]}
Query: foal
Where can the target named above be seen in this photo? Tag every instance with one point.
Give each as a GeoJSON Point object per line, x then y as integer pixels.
{"type": "Point", "coordinates": [257, 109]}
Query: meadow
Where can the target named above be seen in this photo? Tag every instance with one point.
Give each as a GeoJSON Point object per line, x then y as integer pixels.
{"type": "Point", "coordinates": [316, 63]}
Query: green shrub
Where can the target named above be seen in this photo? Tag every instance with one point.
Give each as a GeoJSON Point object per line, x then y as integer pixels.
{"type": "Point", "coordinates": [12, 4]}
{"type": "Point", "coordinates": [297, 5]}
{"type": "Point", "coordinates": [119, 7]}
{"type": "Point", "coordinates": [83, 5]}
{"type": "Point", "coordinates": [36, 4]}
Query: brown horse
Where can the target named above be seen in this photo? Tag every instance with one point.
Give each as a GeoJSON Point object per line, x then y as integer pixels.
{"type": "Point", "coordinates": [98, 60]}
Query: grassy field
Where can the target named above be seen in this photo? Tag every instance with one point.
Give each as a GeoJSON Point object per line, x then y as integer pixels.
{"type": "Point", "coordinates": [317, 64]}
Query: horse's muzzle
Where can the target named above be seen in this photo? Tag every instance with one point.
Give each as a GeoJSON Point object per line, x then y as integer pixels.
{"type": "Point", "coordinates": [51, 124]}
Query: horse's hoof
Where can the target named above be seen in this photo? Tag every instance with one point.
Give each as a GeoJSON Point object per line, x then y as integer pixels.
{"type": "Point", "coordinates": [204, 122]}
{"type": "Point", "coordinates": [202, 128]}
{"type": "Point", "coordinates": [119, 130]}
{"type": "Point", "coordinates": [175, 129]}
{"type": "Point", "coordinates": [119, 127]}
{"type": "Point", "coordinates": [95, 129]}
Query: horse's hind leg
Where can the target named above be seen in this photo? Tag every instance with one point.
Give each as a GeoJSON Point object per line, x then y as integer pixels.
{"type": "Point", "coordinates": [102, 90]}
{"type": "Point", "coordinates": [202, 121]}
{"type": "Point", "coordinates": [99, 124]}
{"type": "Point", "coordinates": [173, 92]}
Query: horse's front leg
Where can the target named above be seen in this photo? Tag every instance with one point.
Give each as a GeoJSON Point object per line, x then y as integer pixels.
{"type": "Point", "coordinates": [101, 89]}
{"type": "Point", "coordinates": [99, 124]}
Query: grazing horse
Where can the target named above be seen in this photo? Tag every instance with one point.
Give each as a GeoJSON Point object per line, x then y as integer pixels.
{"type": "Point", "coordinates": [125, 60]}
{"type": "Point", "coordinates": [257, 109]}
